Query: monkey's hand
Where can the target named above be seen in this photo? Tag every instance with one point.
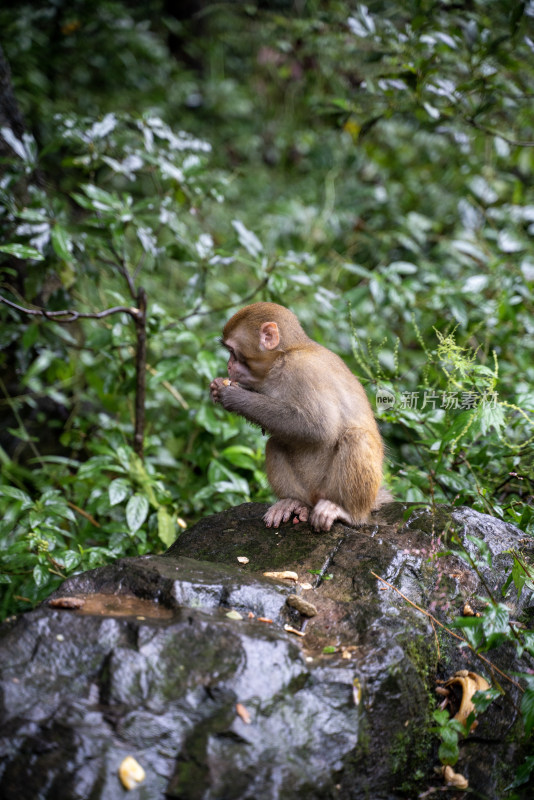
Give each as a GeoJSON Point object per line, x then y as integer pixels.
{"type": "Point", "coordinates": [218, 388]}
{"type": "Point", "coordinates": [283, 509]}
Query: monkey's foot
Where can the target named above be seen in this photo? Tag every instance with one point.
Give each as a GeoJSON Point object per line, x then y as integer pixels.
{"type": "Point", "coordinates": [325, 512]}
{"type": "Point", "coordinates": [282, 510]}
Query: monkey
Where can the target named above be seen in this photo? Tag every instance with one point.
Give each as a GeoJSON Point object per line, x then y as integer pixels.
{"type": "Point", "coordinates": [324, 456]}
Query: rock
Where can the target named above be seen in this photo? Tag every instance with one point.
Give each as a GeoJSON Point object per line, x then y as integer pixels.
{"type": "Point", "coordinates": [140, 659]}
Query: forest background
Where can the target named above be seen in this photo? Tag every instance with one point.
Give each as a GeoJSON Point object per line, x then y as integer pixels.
{"type": "Point", "coordinates": [370, 167]}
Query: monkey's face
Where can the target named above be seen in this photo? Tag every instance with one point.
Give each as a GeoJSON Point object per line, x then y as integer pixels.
{"type": "Point", "coordinates": [249, 360]}
{"type": "Point", "coordinates": [239, 367]}
{"type": "Point", "coordinates": [238, 370]}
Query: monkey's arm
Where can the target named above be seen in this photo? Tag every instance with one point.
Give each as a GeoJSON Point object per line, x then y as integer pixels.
{"type": "Point", "coordinates": [290, 422]}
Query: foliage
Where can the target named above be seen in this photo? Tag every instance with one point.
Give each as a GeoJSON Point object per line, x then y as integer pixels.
{"type": "Point", "coordinates": [135, 184]}
{"type": "Point", "coordinates": [367, 165]}
{"type": "Point", "coordinates": [48, 536]}
{"type": "Point", "coordinates": [458, 428]}
{"type": "Point", "coordinates": [487, 630]}
{"type": "Point", "coordinates": [451, 730]}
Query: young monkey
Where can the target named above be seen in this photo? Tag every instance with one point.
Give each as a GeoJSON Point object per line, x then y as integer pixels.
{"type": "Point", "coordinates": [324, 455]}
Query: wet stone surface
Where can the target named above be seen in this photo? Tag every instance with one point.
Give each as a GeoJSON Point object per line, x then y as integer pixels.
{"type": "Point", "coordinates": [141, 659]}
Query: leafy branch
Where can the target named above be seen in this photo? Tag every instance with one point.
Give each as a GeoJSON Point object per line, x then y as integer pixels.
{"type": "Point", "coordinates": [138, 314]}
{"type": "Point", "coordinates": [71, 315]}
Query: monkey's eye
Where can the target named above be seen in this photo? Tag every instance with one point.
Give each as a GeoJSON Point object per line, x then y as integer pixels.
{"type": "Point", "coordinates": [225, 346]}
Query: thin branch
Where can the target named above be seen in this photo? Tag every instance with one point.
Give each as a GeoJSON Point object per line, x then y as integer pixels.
{"type": "Point", "coordinates": [140, 369]}
{"type": "Point", "coordinates": [14, 410]}
{"type": "Point", "coordinates": [71, 315]}
{"type": "Point", "coordinates": [142, 260]}
{"type": "Point", "coordinates": [436, 639]}
{"type": "Point", "coordinates": [452, 633]}
{"type": "Point", "coordinates": [84, 513]}
{"type": "Point", "coordinates": [166, 385]}
{"type": "Point", "coordinates": [499, 135]}
{"type": "Point", "coordinates": [196, 313]}
{"type": "Point", "coordinates": [139, 317]}
{"type": "Point", "coordinates": [124, 271]}
{"type": "Point", "coordinates": [169, 387]}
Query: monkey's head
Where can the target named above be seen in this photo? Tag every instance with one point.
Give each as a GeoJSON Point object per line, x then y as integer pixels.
{"type": "Point", "coordinates": [255, 337]}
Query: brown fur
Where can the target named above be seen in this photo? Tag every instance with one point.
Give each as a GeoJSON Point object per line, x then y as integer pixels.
{"type": "Point", "coordinates": [325, 443]}
{"type": "Point", "coordinates": [253, 316]}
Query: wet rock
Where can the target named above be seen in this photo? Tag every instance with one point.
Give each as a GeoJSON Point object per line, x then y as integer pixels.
{"type": "Point", "coordinates": [141, 659]}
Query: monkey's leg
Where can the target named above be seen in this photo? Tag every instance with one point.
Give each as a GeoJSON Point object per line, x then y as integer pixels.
{"type": "Point", "coordinates": [324, 514]}
{"type": "Point", "coordinates": [282, 510]}
{"type": "Point", "coordinates": [353, 481]}
{"type": "Point", "coordinates": [285, 484]}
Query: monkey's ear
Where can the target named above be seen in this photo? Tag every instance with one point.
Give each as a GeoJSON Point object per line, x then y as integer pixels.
{"type": "Point", "coordinates": [269, 335]}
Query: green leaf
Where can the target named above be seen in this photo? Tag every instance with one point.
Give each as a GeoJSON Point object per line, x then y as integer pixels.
{"type": "Point", "coordinates": [36, 518]}
{"type": "Point", "coordinates": [97, 556]}
{"type": "Point", "coordinates": [527, 709]}
{"type": "Point", "coordinates": [23, 435]}
{"type": "Point", "coordinates": [30, 336]}
{"type": "Point", "coordinates": [484, 553]}
{"type": "Point", "coordinates": [329, 649]}
{"type": "Point", "coordinates": [22, 251]}
{"type": "Point", "coordinates": [16, 494]}
{"type": "Point", "coordinates": [472, 630]}
{"type": "Point", "coordinates": [403, 267]}
{"type": "Point", "coordinates": [495, 619]}
{"type": "Point", "coordinates": [519, 576]}
{"type": "Point", "coordinates": [207, 364]}
{"type": "Point", "coordinates": [441, 716]}
{"type": "Point", "coordinates": [527, 643]}
{"type": "Point", "coordinates": [59, 508]}
{"type": "Point", "coordinates": [93, 467]}
{"type": "Point", "coordinates": [491, 416]}
{"type": "Point", "coordinates": [449, 752]}
{"type": "Point", "coordinates": [71, 559]}
{"type": "Point", "coordinates": [461, 421]}
{"type": "Point", "coordinates": [466, 622]}
{"type": "Point", "coordinates": [68, 462]}
{"type": "Point", "coordinates": [449, 733]}
{"type": "Point", "coordinates": [102, 200]}
{"type": "Point", "coordinates": [226, 479]}
{"type": "Point", "coordinates": [240, 456]}
{"type": "Point", "coordinates": [523, 773]}
{"type": "Point", "coordinates": [41, 575]}
{"type": "Point", "coordinates": [32, 215]}
{"type": "Point", "coordinates": [83, 202]}
{"type": "Point", "coordinates": [207, 418]}
{"type": "Point", "coordinates": [125, 456]}
{"type": "Point", "coordinates": [118, 490]}
{"type": "Point", "coordinates": [483, 698]}
{"type": "Point", "coordinates": [61, 242]}
{"type": "Point", "coordinates": [247, 239]}
{"type": "Point", "coordinates": [41, 363]}
{"type": "Point", "coordinates": [136, 511]}
{"type": "Point", "coordinates": [166, 527]}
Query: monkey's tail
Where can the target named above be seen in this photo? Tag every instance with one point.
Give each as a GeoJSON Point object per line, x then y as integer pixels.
{"type": "Point", "coordinates": [383, 496]}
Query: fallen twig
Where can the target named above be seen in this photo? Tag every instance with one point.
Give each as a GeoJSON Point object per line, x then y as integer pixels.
{"type": "Point", "coordinates": [452, 633]}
